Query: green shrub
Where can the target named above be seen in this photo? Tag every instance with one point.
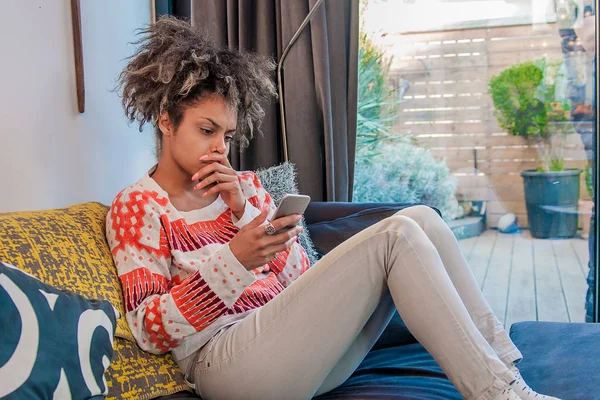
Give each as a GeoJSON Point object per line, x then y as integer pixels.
{"type": "Point", "coordinates": [406, 174]}
{"type": "Point", "coordinates": [389, 167]}
{"type": "Point", "coordinates": [377, 104]}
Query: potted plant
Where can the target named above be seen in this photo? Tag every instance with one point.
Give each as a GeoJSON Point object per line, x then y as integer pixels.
{"type": "Point", "coordinates": [526, 104]}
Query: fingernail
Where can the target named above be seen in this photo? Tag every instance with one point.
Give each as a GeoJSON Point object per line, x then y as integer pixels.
{"type": "Point", "coordinates": [194, 177]}
{"type": "Point", "coordinates": [203, 157]}
{"type": "Point", "coordinates": [298, 218]}
{"type": "Point", "coordinates": [204, 194]}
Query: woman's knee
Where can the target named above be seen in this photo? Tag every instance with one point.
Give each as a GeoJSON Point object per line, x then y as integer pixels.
{"type": "Point", "coordinates": [427, 218]}
{"type": "Point", "coordinates": [398, 226]}
{"type": "Point", "coordinates": [406, 225]}
{"type": "Point", "coordinates": [408, 230]}
{"type": "Point", "coordinates": [420, 213]}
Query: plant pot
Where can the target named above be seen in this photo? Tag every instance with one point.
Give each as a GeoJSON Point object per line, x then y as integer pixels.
{"type": "Point", "coordinates": [551, 199]}
{"type": "Point", "coordinates": [585, 217]}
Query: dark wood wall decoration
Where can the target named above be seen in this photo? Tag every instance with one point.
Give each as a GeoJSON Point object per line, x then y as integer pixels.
{"type": "Point", "coordinates": [78, 47]}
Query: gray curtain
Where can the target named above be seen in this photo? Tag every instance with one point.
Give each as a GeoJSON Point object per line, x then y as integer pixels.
{"type": "Point", "coordinates": [320, 85]}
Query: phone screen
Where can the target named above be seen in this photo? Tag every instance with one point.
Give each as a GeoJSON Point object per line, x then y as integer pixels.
{"type": "Point", "coordinates": [292, 204]}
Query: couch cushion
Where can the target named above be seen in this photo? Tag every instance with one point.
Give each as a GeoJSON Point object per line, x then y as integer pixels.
{"type": "Point", "coordinates": [401, 372]}
{"type": "Point", "coordinates": [279, 181]}
{"type": "Point", "coordinates": [395, 334]}
{"type": "Point", "coordinates": [396, 373]}
{"type": "Point", "coordinates": [135, 374]}
{"type": "Point", "coordinates": [327, 234]}
{"type": "Point", "coordinates": [180, 396]}
{"type": "Point", "coordinates": [560, 359]}
{"type": "Point", "coordinates": [55, 344]}
{"type": "Point", "coordinates": [65, 248]}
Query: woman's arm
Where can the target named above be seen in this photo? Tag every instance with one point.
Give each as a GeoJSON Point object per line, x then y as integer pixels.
{"type": "Point", "coordinates": [288, 265]}
{"type": "Point", "coordinates": [161, 308]}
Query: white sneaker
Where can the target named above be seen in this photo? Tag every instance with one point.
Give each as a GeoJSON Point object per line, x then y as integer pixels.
{"type": "Point", "coordinates": [523, 390]}
{"type": "Point", "coordinates": [507, 394]}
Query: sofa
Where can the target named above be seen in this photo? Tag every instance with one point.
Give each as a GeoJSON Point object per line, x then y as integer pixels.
{"type": "Point", "coordinates": [66, 248]}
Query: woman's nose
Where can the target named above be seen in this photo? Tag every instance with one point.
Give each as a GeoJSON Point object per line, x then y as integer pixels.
{"type": "Point", "coordinates": [220, 145]}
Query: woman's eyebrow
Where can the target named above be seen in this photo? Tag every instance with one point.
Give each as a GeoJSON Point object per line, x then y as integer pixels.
{"type": "Point", "coordinates": [214, 123]}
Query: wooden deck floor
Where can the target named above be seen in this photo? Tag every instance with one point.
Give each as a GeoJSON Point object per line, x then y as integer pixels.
{"type": "Point", "coordinates": [527, 279]}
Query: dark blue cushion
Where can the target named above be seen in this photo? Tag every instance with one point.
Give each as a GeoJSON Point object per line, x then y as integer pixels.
{"type": "Point", "coordinates": [560, 359]}
{"type": "Point", "coordinates": [395, 334]}
{"type": "Point", "coordinates": [55, 344]}
{"type": "Point", "coordinates": [402, 372]}
{"type": "Point", "coordinates": [329, 233]}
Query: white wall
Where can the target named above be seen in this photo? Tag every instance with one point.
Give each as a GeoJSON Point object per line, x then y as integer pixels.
{"type": "Point", "coordinates": [50, 155]}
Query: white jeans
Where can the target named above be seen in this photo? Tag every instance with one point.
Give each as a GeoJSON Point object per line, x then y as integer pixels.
{"type": "Point", "coordinates": [310, 338]}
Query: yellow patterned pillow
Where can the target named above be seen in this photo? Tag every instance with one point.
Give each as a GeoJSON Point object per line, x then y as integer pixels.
{"type": "Point", "coordinates": [135, 374]}
{"type": "Point", "coordinates": [65, 248]}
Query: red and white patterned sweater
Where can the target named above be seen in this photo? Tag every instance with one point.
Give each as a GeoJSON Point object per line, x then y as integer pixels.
{"type": "Point", "coordinates": [181, 282]}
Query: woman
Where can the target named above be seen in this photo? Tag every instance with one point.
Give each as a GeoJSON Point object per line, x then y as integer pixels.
{"type": "Point", "coordinates": [238, 307]}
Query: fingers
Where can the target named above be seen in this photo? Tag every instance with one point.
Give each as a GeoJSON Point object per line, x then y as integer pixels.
{"type": "Point", "coordinates": [226, 162]}
{"type": "Point", "coordinates": [216, 177]}
{"type": "Point", "coordinates": [221, 158]}
{"type": "Point", "coordinates": [268, 246]}
{"type": "Point", "coordinates": [288, 220]}
{"type": "Point", "coordinates": [221, 187]}
{"type": "Point", "coordinates": [272, 250]}
{"type": "Point", "coordinates": [283, 237]}
{"type": "Point", "coordinates": [257, 221]}
{"type": "Point", "coordinates": [213, 167]}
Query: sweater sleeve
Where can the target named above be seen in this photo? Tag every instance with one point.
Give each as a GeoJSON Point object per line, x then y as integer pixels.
{"type": "Point", "coordinates": [161, 308]}
{"type": "Point", "coordinates": [250, 212]}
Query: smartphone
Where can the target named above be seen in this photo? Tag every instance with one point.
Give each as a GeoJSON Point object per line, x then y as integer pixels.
{"type": "Point", "coordinates": [291, 204]}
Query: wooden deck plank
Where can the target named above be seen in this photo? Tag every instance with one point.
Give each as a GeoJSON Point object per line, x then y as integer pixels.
{"type": "Point", "coordinates": [580, 246]}
{"type": "Point", "coordinates": [543, 279]}
{"type": "Point", "coordinates": [467, 245]}
{"type": "Point", "coordinates": [551, 303]}
{"type": "Point", "coordinates": [480, 255]}
{"type": "Point", "coordinates": [497, 279]}
{"type": "Point", "coordinates": [521, 305]}
{"type": "Point", "coordinates": [572, 278]}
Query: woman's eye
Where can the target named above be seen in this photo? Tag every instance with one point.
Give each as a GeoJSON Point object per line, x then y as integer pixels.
{"type": "Point", "coordinates": [206, 131]}
{"type": "Point", "coordinates": [229, 138]}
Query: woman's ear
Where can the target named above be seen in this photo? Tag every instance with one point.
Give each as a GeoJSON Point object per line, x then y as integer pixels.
{"type": "Point", "coordinates": [164, 124]}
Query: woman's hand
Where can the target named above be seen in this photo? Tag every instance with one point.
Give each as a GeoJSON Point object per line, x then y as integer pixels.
{"type": "Point", "coordinates": [254, 248]}
{"type": "Point", "coordinates": [225, 180]}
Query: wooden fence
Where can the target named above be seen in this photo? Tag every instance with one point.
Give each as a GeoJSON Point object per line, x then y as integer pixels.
{"type": "Point", "coordinates": [447, 108]}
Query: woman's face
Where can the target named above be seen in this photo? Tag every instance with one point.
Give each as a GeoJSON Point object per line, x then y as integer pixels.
{"type": "Point", "coordinates": [207, 126]}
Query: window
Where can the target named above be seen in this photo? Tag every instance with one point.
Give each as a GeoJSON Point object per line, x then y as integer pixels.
{"type": "Point", "coordinates": [486, 110]}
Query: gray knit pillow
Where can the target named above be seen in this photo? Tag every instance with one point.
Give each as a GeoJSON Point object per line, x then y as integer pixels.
{"type": "Point", "coordinates": [279, 181]}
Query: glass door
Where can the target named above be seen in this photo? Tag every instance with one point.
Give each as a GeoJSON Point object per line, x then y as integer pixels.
{"type": "Point", "coordinates": [487, 110]}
